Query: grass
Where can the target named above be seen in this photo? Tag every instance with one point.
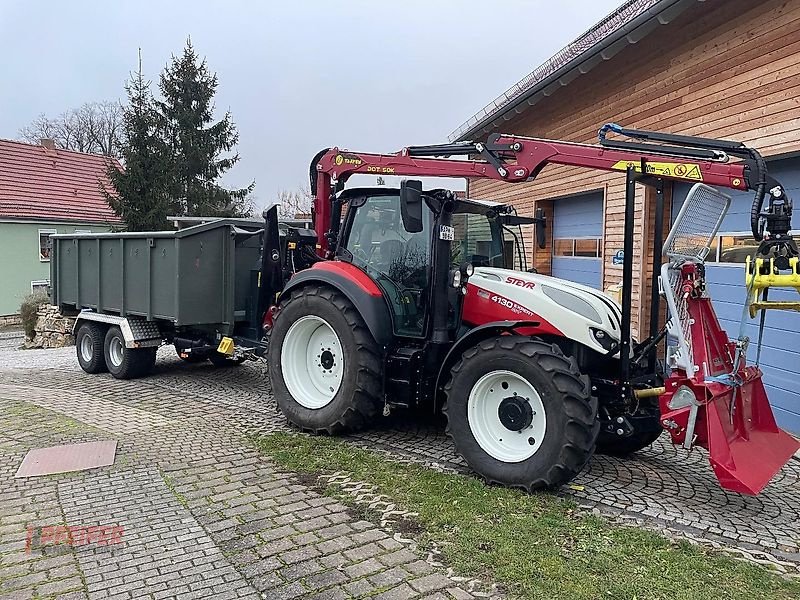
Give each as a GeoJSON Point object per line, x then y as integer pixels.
{"type": "Point", "coordinates": [169, 481]}
{"type": "Point", "coordinates": [537, 546]}
{"type": "Point", "coordinates": [24, 415]}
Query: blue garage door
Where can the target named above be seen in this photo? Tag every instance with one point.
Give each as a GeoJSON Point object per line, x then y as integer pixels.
{"type": "Point", "coordinates": [780, 353]}
{"type": "Point", "coordinates": [578, 238]}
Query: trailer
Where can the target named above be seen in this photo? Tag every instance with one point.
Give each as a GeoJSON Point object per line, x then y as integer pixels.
{"type": "Point", "coordinates": [196, 288]}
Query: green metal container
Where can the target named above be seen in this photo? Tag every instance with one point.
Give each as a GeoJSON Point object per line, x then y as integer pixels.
{"type": "Point", "coordinates": [200, 275]}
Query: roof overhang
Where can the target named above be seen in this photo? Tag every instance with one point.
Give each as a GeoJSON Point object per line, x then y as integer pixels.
{"type": "Point", "coordinates": [626, 26]}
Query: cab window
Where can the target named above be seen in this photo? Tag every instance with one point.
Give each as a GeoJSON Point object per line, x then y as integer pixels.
{"type": "Point", "coordinates": [479, 240]}
{"type": "Point", "coordinates": [397, 260]}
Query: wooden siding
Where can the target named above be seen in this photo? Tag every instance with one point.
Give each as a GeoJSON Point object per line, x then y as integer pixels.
{"type": "Point", "coordinates": [722, 69]}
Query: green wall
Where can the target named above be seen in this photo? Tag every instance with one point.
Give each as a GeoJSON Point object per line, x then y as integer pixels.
{"type": "Point", "coordinates": [19, 259]}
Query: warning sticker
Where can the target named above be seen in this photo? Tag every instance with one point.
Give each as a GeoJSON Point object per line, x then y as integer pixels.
{"type": "Point", "coordinates": [667, 169]}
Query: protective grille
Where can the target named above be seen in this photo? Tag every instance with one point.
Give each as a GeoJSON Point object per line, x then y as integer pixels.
{"type": "Point", "coordinates": [682, 312]}
{"type": "Point", "coordinates": [679, 354]}
{"type": "Point", "coordinates": [697, 223]}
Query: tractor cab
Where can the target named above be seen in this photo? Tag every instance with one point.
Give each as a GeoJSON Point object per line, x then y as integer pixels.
{"type": "Point", "coordinates": [400, 252]}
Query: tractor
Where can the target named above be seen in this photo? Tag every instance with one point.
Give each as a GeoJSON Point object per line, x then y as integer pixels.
{"type": "Point", "coordinates": [416, 297]}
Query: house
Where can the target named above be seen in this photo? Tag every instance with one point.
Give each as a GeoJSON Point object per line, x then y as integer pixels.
{"type": "Point", "coordinates": [44, 190]}
{"type": "Point", "coordinates": [704, 68]}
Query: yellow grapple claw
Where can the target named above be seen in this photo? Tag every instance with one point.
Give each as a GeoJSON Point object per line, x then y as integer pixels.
{"type": "Point", "coordinates": [759, 279]}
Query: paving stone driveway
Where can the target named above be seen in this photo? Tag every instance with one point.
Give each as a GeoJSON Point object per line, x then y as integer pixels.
{"type": "Point", "coordinates": [205, 515]}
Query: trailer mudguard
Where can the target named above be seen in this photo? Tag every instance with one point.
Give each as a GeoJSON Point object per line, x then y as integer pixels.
{"type": "Point", "coordinates": [472, 337]}
{"type": "Point", "coordinates": [358, 287]}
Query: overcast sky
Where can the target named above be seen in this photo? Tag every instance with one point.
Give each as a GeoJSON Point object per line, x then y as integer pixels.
{"type": "Point", "coordinates": [297, 76]}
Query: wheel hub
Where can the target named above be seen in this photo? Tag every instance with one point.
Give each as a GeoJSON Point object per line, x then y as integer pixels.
{"type": "Point", "coordinates": [326, 359]}
{"type": "Point", "coordinates": [515, 413]}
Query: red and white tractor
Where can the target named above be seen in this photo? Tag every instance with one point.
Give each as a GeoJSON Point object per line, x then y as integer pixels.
{"type": "Point", "coordinates": [411, 297]}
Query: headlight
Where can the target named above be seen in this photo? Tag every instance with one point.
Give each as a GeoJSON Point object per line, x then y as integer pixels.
{"type": "Point", "coordinates": [456, 279]}
{"type": "Point", "coordinates": [603, 338]}
{"type": "Point", "coordinates": [468, 269]}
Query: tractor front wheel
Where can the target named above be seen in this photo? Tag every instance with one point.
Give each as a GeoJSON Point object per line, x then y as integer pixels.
{"type": "Point", "coordinates": [324, 365]}
{"type": "Point", "coordinates": [520, 413]}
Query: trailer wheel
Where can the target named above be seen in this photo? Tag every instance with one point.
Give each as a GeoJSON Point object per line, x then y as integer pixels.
{"type": "Point", "coordinates": [520, 413]}
{"type": "Point", "coordinates": [89, 347]}
{"type": "Point", "coordinates": [126, 363]}
{"type": "Point", "coordinates": [324, 365]}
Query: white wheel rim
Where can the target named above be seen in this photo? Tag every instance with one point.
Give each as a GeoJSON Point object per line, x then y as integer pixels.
{"type": "Point", "coordinates": [115, 351]}
{"type": "Point", "coordinates": [312, 362]}
{"type": "Point", "coordinates": [87, 348]}
{"type": "Point", "coordinates": [483, 417]}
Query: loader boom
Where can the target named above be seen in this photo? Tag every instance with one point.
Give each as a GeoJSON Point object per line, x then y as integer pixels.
{"type": "Point", "coordinates": [517, 159]}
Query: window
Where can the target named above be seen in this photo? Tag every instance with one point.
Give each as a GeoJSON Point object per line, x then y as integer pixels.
{"type": "Point", "coordinates": [578, 247]}
{"type": "Point", "coordinates": [734, 248]}
{"type": "Point", "coordinates": [40, 285]}
{"type": "Point", "coordinates": [44, 244]}
{"type": "Point", "coordinates": [398, 260]}
{"type": "Point", "coordinates": [478, 240]}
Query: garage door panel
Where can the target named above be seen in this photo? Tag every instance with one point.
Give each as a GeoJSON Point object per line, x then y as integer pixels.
{"type": "Point", "coordinates": [788, 419]}
{"type": "Point", "coordinates": [581, 216]}
{"type": "Point", "coordinates": [780, 353]}
{"type": "Point", "coordinates": [578, 220]}
{"type": "Point", "coordinates": [580, 270]}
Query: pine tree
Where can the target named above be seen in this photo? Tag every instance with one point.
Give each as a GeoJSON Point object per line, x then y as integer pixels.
{"type": "Point", "coordinates": [140, 196]}
{"type": "Point", "coordinates": [199, 148]}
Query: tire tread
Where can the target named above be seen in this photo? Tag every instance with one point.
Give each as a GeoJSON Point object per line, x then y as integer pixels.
{"type": "Point", "coordinates": [581, 406]}
{"type": "Point", "coordinates": [364, 406]}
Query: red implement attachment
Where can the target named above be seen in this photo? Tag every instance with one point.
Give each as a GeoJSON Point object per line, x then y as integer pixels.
{"type": "Point", "coordinates": [722, 406]}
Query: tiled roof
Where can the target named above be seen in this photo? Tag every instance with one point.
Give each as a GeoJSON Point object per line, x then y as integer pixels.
{"type": "Point", "coordinates": [41, 183]}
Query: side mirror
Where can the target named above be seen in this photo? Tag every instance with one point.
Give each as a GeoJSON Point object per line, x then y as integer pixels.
{"type": "Point", "coordinates": [411, 205]}
{"type": "Point", "coordinates": [541, 224]}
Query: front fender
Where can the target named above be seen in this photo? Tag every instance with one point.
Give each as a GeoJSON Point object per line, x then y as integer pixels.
{"type": "Point", "coordinates": [358, 288]}
{"type": "Point", "coordinates": [472, 337]}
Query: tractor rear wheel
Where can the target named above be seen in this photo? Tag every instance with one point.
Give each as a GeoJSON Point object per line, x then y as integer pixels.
{"type": "Point", "coordinates": [324, 365]}
{"type": "Point", "coordinates": [520, 413]}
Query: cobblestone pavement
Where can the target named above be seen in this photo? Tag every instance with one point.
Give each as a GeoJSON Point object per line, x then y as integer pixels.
{"type": "Point", "coordinates": [203, 514]}
{"type": "Point", "coordinates": [204, 510]}
{"type": "Point", "coordinates": [11, 338]}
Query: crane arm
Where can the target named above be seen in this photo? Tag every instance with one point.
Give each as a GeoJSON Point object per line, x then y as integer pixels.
{"type": "Point", "coordinates": [517, 159]}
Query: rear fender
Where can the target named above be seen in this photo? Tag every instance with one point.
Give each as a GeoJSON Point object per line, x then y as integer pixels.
{"type": "Point", "coordinates": [472, 337]}
{"type": "Point", "coordinates": [137, 333]}
{"type": "Point", "coordinates": [357, 287]}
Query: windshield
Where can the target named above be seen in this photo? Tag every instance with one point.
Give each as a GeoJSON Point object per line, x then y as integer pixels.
{"type": "Point", "coordinates": [480, 240]}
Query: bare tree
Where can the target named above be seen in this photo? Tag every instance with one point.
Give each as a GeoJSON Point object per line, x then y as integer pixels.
{"type": "Point", "coordinates": [294, 205]}
{"type": "Point", "coordinates": [94, 127]}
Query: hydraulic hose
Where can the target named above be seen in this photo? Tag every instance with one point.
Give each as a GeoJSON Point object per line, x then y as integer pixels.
{"type": "Point", "coordinates": [312, 169]}
{"type": "Point", "coordinates": [758, 200]}
{"type": "Point", "coordinates": [312, 177]}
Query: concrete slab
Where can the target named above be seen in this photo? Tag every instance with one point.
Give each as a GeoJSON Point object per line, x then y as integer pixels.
{"type": "Point", "coordinates": [67, 458]}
